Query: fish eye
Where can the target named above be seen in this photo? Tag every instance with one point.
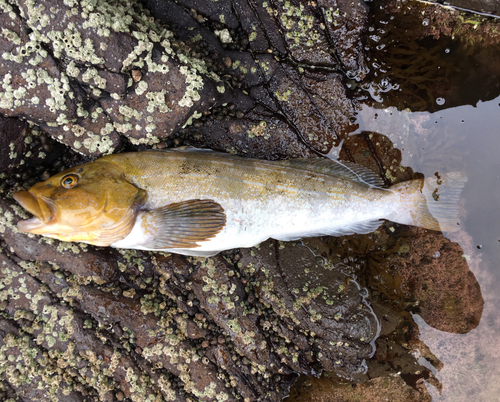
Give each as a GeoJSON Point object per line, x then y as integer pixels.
{"type": "Point", "coordinates": [69, 180]}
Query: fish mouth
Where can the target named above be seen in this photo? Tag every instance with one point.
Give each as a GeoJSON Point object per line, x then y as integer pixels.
{"type": "Point", "coordinates": [36, 206]}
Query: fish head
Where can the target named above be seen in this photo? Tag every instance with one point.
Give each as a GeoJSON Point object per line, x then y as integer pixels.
{"type": "Point", "coordinates": [92, 203]}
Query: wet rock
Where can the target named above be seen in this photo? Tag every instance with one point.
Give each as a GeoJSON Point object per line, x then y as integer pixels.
{"type": "Point", "coordinates": [307, 114]}
{"type": "Point", "coordinates": [376, 152]}
{"type": "Point", "coordinates": [25, 151]}
{"type": "Point", "coordinates": [234, 340]}
{"type": "Point", "coordinates": [417, 270]}
{"type": "Point", "coordinates": [316, 104]}
{"type": "Point", "coordinates": [65, 357]}
{"type": "Point", "coordinates": [482, 6]}
{"type": "Point", "coordinates": [346, 27]}
{"type": "Point", "coordinates": [223, 295]}
{"type": "Point", "coordinates": [382, 262]}
{"type": "Point", "coordinates": [309, 33]}
{"type": "Point", "coordinates": [312, 104]}
{"type": "Point", "coordinates": [398, 346]}
{"type": "Point", "coordinates": [34, 86]}
{"type": "Point", "coordinates": [435, 273]}
{"type": "Point", "coordinates": [203, 321]}
{"type": "Point", "coordinates": [321, 309]}
{"type": "Point", "coordinates": [162, 347]}
{"type": "Point", "coordinates": [12, 143]}
{"type": "Point", "coordinates": [376, 390]}
{"type": "Point", "coordinates": [302, 30]}
{"type": "Point", "coordinates": [150, 325]}
{"type": "Point", "coordinates": [259, 134]}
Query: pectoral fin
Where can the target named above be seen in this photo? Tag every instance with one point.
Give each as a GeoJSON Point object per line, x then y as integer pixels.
{"type": "Point", "coordinates": [183, 224]}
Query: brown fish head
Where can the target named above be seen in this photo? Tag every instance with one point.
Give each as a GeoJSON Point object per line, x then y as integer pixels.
{"type": "Point", "coordinates": [92, 203]}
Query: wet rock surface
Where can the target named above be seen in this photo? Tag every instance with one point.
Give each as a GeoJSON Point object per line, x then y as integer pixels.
{"type": "Point", "coordinates": [269, 80]}
{"type": "Point", "coordinates": [481, 6]}
{"type": "Point", "coordinates": [376, 390]}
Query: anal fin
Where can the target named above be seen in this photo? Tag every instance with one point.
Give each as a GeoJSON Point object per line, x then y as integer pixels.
{"type": "Point", "coordinates": [184, 224]}
{"type": "Point", "coordinates": [358, 227]}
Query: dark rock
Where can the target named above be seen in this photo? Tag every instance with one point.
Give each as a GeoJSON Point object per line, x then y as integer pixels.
{"type": "Point", "coordinates": [322, 309]}
{"type": "Point", "coordinates": [83, 57]}
{"type": "Point", "coordinates": [222, 295]}
{"type": "Point", "coordinates": [375, 390]}
{"type": "Point", "coordinates": [481, 6]}
{"type": "Point", "coordinates": [260, 134]}
{"type": "Point", "coordinates": [60, 352]}
{"type": "Point", "coordinates": [12, 143]}
{"type": "Point", "coordinates": [435, 273]}
{"type": "Point", "coordinates": [315, 104]}
{"type": "Point", "coordinates": [346, 28]}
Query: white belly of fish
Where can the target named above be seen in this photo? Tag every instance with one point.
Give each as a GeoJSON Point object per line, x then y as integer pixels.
{"type": "Point", "coordinates": [249, 223]}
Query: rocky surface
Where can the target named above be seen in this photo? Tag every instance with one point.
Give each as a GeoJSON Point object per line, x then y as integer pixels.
{"type": "Point", "coordinates": [97, 75]}
{"type": "Point", "coordinates": [490, 7]}
{"type": "Point", "coordinates": [376, 390]}
{"type": "Point", "coordinates": [91, 72]}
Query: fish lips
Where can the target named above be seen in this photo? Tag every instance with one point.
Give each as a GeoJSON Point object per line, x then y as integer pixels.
{"type": "Point", "coordinates": [41, 208]}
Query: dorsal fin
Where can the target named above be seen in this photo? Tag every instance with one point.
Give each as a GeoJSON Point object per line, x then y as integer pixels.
{"type": "Point", "coordinates": [346, 170]}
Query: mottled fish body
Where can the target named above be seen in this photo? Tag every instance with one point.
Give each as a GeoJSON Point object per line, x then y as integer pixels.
{"type": "Point", "coordinates": [197, 202]}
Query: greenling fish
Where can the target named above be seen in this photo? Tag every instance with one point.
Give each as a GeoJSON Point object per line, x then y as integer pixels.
{"type": "Point", "coordinates": [197, 202]}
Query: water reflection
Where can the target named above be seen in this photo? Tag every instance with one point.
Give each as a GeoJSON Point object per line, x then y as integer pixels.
{"type": "Point", "coordinates": [426, 57]}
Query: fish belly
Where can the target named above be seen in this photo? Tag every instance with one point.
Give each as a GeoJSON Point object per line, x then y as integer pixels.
{"type": "Point", "coordinates": [250, 222]}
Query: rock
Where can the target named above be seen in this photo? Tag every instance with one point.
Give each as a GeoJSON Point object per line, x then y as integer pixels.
{"type": "Point", "coordinates": [61, 353]}
{"type": "Point", "coordinates": [259, 134]}
{"type": "Point", "coordinates": [12, 143]}
{"type": "Point", "coordinates": [303, 105]}
{"type": "Point", "coordinates": [79, 92]}
{"type": "Point", "coordinates": [320, 308]}
{"type": "Point", "coordinates": [376, 390]}
{"type": "Point", "coordinates": [482, 6]}
{"type": "Point", "coordinates": [435, 274]}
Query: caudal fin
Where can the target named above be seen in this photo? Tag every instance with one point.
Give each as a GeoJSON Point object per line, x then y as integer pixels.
{"type": "Point", "coordinates": [431, 203]}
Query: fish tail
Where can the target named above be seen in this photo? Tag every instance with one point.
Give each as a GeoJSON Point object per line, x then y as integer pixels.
{"type": "Point", "coordinates": [431, 203]}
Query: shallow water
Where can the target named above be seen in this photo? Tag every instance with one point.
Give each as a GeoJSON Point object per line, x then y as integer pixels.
{"type": "Point", "coordinates": [471, 363]}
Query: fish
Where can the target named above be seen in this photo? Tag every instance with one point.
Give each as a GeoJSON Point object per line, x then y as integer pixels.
{"type": "Point", "coordinates": [200, 202]}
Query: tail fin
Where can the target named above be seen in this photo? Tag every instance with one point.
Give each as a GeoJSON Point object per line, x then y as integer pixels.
{"type": "Point", "coordinates": [431, 203]}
